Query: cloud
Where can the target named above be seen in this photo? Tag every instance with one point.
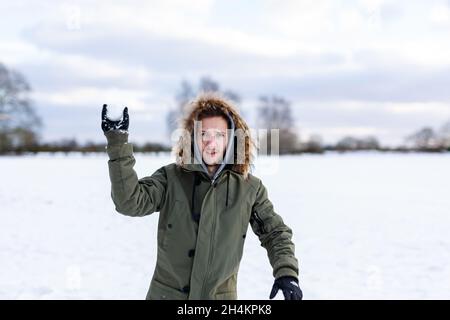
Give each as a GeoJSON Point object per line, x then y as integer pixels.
{"type": "Point", "coordinates": [89, 96]}
{"type": "Point", "coordinates": [380, 70]}
{"type": "Point", "coordinates": [440, 14]}
{"type": "Point", "coordinates": [355, 131]}
{"type": "Point", "coordinates": [58, 72]}
{"type": "Point", "coordinates": [441, 110]}
{"type": "Point", "coordinates": [366, 75]}
{"type": "Point", "coordinates": [388, 83]}
{"type": "Point", "coordinates": [356, 64]}
{"type": "Point", "coordinates": [389, 121]}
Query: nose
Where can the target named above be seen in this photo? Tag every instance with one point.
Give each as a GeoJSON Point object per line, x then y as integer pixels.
{"type": "Point", "coordinates": [210, 142]}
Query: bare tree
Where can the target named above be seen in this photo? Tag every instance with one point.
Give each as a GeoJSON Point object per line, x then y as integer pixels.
{"type": "Point", "coordinates": [187, 92]}
{"type": "Point", "coordinates": [314, 144]}
{"type": "Point", "coordinates": [184, 94]}
{"type": "Point", "coordinates": [208, 84]}
{"type": "Point", "coordinates": [276, 113]}
{"type": "Point", "coordinates": [425, 138]}
{"type": "Point", "coordinates": [369, 143]}
{"type": "Point", "coordinates": [444, 135]}
{"type": "Point", "coordinates": [17, 116]}
{"type": "Point", "coordinates": [347, 143]}
{"type": "Point", "coordinates": [233, 96]}
{"type": "Point", "coordinates": [352, 143]}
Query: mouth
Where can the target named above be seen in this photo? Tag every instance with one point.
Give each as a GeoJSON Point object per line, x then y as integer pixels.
{"type": "Point", "coordinates": [212, 154]}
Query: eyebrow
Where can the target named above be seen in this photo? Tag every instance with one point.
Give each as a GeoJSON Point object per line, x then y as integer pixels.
{"type": "Point", "coordinates": [216, 130]}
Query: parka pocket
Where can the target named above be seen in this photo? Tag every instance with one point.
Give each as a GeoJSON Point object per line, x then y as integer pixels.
{"type": "Point", "coordinates": [167, 228]}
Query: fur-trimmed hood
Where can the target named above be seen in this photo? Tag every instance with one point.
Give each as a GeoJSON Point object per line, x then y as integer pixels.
{"type": "Point", "coordinates": [241, 140]}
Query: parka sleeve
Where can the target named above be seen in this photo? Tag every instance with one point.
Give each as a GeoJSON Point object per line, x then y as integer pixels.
{"type": "Point", "coordinates": [275, 236]}
{"type": "Point", "coordinates": [132, 196]}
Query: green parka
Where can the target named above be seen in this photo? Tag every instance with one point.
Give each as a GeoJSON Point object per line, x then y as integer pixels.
{"type": "Point", "coordinates": [202, 223]}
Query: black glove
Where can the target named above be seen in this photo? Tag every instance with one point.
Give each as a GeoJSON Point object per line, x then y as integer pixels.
{"type": "Point", "coordinates": [109, 125]}
{"type": "Point", "coordinates": [289, 286]}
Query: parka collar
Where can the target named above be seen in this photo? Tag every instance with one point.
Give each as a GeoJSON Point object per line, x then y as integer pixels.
{"type": "Point", "coordinates": [197, 167]}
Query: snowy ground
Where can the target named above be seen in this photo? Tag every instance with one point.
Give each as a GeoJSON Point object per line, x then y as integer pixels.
{"type": "Point", "coordinates": [365, 225]}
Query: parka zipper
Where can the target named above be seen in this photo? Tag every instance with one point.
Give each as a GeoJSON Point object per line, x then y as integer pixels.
{"type": "Point", "coordinates": [207, 272]}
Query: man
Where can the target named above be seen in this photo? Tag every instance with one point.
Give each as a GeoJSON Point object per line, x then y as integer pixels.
{"type": "Point", "coordinates": [206, 201]}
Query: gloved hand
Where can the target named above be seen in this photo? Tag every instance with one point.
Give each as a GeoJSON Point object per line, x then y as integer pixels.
{"type": "Point", "coordinates": [289, 286]}
{"type": "Point", "coordinates": [109, 125]}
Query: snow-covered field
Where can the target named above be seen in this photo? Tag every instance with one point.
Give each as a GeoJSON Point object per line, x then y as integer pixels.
{"type": "Point", "coordinates": [366, 225]}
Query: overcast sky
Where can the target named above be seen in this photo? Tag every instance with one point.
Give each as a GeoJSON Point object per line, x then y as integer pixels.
{"type": "Point", "coordinates": [368, 67]}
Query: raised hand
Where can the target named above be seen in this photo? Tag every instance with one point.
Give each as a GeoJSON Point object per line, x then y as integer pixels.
{"type": "Point", "coordinates": [109, 125]}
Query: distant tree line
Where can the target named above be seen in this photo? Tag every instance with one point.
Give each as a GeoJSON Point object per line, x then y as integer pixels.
{"type": "Point", "coordinates": [20, 125]}
{"type": "Point", "coordinates": [71, 145]}
{"type": "Point", "coordinates": [423, 140]}
{"type": "Point", "coordinates": [429, 139]}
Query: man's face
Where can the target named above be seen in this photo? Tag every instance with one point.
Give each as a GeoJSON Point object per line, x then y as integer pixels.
{"type": "Point", "coordinates": [212, 139]}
